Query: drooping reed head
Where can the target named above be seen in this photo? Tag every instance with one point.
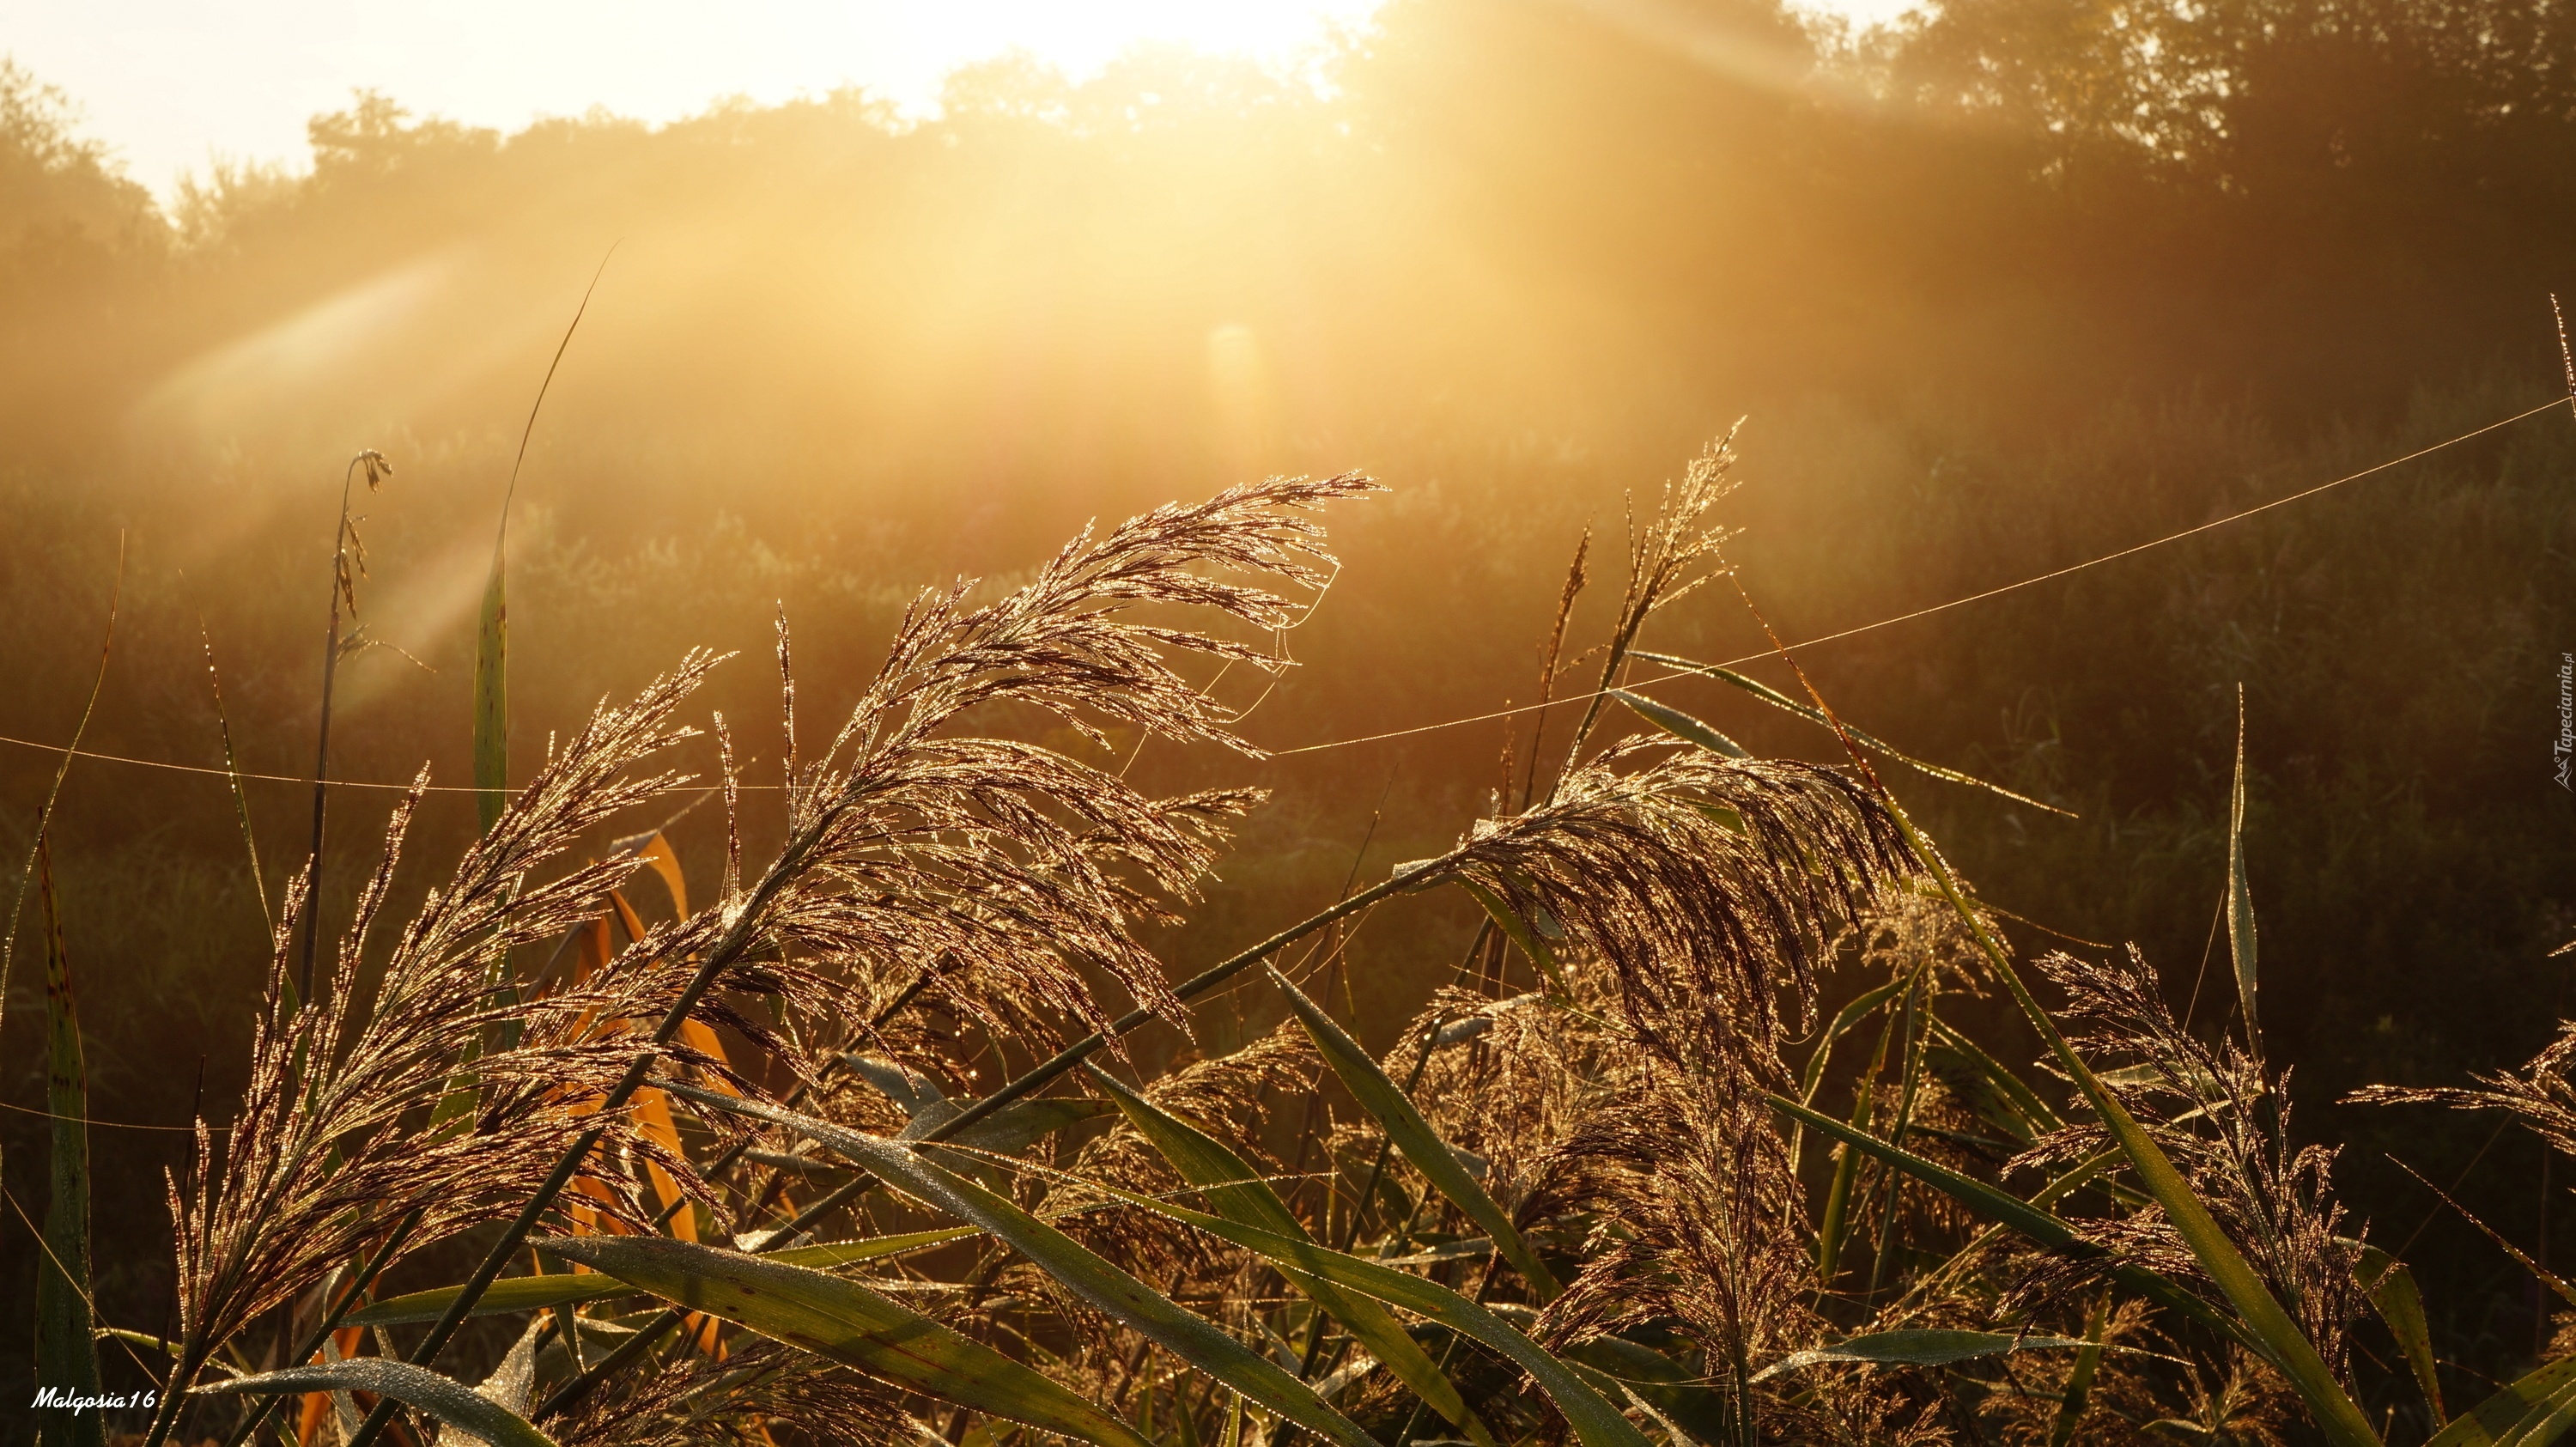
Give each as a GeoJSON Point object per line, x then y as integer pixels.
{"type": "Point", "coordinates": [327, 1151]}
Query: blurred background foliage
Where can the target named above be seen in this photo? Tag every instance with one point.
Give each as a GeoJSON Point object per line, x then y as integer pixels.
{"type": "Point", "coordinates": [2001, 288]}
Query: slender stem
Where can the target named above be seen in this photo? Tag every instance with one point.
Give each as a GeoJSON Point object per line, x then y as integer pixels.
{"type": "Point", "coordinates": [232, 775]}
{"type": "Point", "coordinates": [1829, 1232]}
{"type": "Point", "coordinates": [1368, 1191]}
{"type": "Point", "coordinates": [1632, 617]}
{"type": "Point", "coordinates": [183, 1371]}
{"type": "Point", "coordinates": [516, 1233]}
{"type": "Point", "coordinates": [193, 1351]}
{"type": "Point", "coordinates": [1911, 1070]}
{"type": "Point", "coordinates": [1351, 1228]}
{"type": "Point", "coordinates": [1413, 1419]}
{"type": "Point", "coordinates": [1385, 1149]}
{"type": "Point", "coordinates": [322, 749]}
{"type": "Point", "coordinates": [1575, 577]}
{"type": "Point", "coordinates": [62, 771]}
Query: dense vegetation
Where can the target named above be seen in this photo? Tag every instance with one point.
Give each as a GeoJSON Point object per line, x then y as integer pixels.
{"type": "Point", "coordinates": [2009, 288]}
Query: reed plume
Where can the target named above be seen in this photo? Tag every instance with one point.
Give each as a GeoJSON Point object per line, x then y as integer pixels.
{"type": "Point", "coordinates": [326, 1154]}
{"type": "Point", "coordinates": [2225, 1121]}
{"type": "Point", "coordinates": [1710, 887]}
{"type": "Point", "coordinates": [1010, 866]}
{"type": "Point", "coordinates": [2540, 1096]}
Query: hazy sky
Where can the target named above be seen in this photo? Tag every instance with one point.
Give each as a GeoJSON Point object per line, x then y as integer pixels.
{"type": "Point", "coordinates": [172, 83]}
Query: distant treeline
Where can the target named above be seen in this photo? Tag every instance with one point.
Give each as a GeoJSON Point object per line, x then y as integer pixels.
{"type": "Point", "coordinates": [1509, 206]}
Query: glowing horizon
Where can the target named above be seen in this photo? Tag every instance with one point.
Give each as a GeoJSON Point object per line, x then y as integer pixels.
{"type": "Point", "coordinates": [173, 86]}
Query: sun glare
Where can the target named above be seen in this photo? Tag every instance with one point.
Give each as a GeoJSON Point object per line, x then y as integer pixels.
{"type": "Point", "coordinates": [1079, 38]}
{"type": "Point", "coordinates": [170, 83]}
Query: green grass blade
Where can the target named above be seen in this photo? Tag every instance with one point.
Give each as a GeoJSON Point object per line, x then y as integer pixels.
{"type": "Point", "coordinates": [1836, 1223]}
{"type": "Point", "coordinates": [53, 795]}
{"type": "Point", "coordinates": [1614, 1365]}
{"type": "Point", "coordinates": [491, 771]}
{"type": "Point", "coordinates": [536, 1293]}
{"type": "Point", "coordinates": [844, 1253]}
{"type": "Point", "coordinates": [2031, 1221]}
{"type": "Point", "coordinates": [492, 699]}
{"type": "Point", "coordinates": [847, 1323]}
{"type": "Point", "coordinates": [2240, 895]}
{"type": "Point", "coordinates": [567, 1321]}
{"type": "Point", "coordinates": [505, 1296]}
{"type": "Point", "coordinates": [1239, 1194]}
{"type": "Point", "coordinates": [1512, 924]}
{"type": "Point", "coordinates": [1910, 1077]}
{"type": "Point", "coordinates": [2392, 1291]}
{"type": "Point", "coordinates": [492, 631]}
{"type": "Point", "coordinates": [910, 1090]}
{"type": "Point", "coordinates": [1007, 1131]}
{"type": "Point", "coordinates": [1595, 1421]}
{"type": "Point", "coordinates": [1681, 725]}
{"type": "Point", "coordinates": [2541, 1428]}
{"type": "Point", "coordinates": [1914, 1348]}
{"type": "Point", "coordinates": [2034, 1110]}
{"type": "Point", "coordinates": [1187, 1336]}
{"type": "Point", "coordinates": [1844, 1020]}
{"type": "Point", "coordinates": [1812, 1078]}
{"type": "Point", "coordinates": [1966, 1257]}
{"type": "Point", "coordinates": [1414, 1136]}
{"type": "Point", "coordinates": [66, 1352]}
{"type": "Point", "coordinates": [1782, 701]}
{"type": "Point", "coordinates": [1013, 1128]}
{"type": "Point", "coordinates": [450, 1401]}
{"type": "Point", "coordinates": [2079, 1382]}
{"type": "Point", "coordinates": [2513, 1414]}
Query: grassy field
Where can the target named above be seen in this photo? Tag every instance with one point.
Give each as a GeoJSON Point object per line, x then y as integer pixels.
{"type": "Point", "coordinates": [841, 360]}
{"type": "Point", "coordinates": [2108, 694]}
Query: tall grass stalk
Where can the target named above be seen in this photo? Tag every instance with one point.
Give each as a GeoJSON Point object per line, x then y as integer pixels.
{"type": "Point", "coordinates": [492, 619]}
{"type": "Point", "coordinates": [232, 774]}
{"type": "Point", "coordinates": [348, 564]}
{"type": "Point", "coordinates": [54, 790]}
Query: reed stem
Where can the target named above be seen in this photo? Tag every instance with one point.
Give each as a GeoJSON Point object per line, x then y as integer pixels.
{"type": "Point", "coordinates": [322, 743]}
